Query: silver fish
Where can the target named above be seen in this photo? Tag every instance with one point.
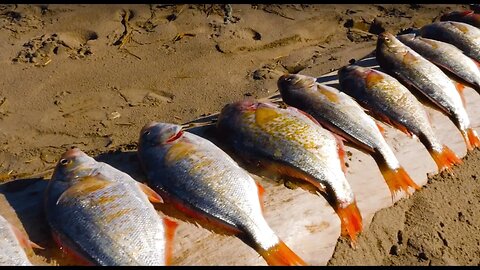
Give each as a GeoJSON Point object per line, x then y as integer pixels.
{"type": "Point", "coordinates": [341, 114]}
{"type": "Point", "coordinates": [11, 242]}
{"type": "Point", "coordinates": [446, 56]}
{"type": "Point", "coordinates": [414, 71]}
{"type": "Point", "coordinates": [391, 102]}
{"type": "Point", "coordinates": [289, 142]}
{"type": "Point", "coordinates": [467, 16]}
{"type": "Point", "coordinates": [103, 216]}
{"type": "Point", "coordinates": [200, 179]}
{"type": "Point", "coordinates": [464, 36]}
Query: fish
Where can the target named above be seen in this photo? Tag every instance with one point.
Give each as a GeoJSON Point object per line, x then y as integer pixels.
{"type": "Point", "coordinates": [342, 115]}
{"type": "Point", "coordinates": [416, 72]}
{"type": "Point", "coordinates": [467, 16]}
{"type": "Point", "coordinates": [13, 242]}
{"type": "Point", "coordinates": [464, 36]}
{"type": "Point", "coordinates": [445, 56]}
{"type": "Point", "coordinates": [387, 99]}
{"type": "Point", "coordinates": [100, 215]}
{"type": "Point", "coordinates": [201, 180]}
{"type": "Point", "coordinates": [292, 143]}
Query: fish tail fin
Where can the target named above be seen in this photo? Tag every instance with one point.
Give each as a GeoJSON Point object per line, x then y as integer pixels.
{"type": "Point", "coordinates": [170, 228]}
{"type": "Point", "coordinates": [281, 255]}
{"type": "Point", "coordinates": [445, 159]}
{"type": "Point", "coordinates": [351, 221]}
{"type": "Point", "coordinates": [471, 139]}
{"type": "Point", "coordinates": [398, 181]}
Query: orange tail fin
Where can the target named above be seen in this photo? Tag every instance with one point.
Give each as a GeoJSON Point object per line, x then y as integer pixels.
{"type": "Point", "coordinates": [281, 255]}
{"type": "Point", "coordinates": [398, 180]}
{"type": "Point", "coordinates": [445, 159]}
{"type": "Point", "coordinates": [170, 227]}
{"type": "Point", "coordinates": [351, 221]}
{"type": "Point", "coordinates": [471, 139]}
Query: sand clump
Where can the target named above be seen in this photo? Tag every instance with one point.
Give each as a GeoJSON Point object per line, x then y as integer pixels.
{"type": "Point", "coordinates": [438, 225]}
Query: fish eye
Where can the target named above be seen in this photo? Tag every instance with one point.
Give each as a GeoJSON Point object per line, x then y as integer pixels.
{"type": "Point", "coordinates": [64, 161]}
{"type": "Point", "coordinates": [146, 133]}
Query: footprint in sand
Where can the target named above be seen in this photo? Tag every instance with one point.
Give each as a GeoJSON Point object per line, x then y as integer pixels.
{"type": "Point", "coordinates": [40, 50]}
{"type": "Point", "coordinates": [145, 97]}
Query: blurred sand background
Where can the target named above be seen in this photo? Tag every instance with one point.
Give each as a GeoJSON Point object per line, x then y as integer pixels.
{"type": "Point", "coordinates": [92, 75]}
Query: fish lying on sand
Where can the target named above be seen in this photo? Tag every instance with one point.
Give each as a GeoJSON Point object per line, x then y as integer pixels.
{"type": "Point", "coordinates": [12, 241]}
{"type": "Point", "coordinates": [201, 180]}
{"type": "Point", "coordinates": [446, 56]}
{"type": "Point", "coordinates": [464, 36]}
{"type": "Point", "coordinates": [467, 16]}
{"type": "Point", "coordinates": [102, 216]}
{"type": "Point", "coordinates": [339, 113]}
{"type": "Point", "coordinates": [387, 99]}
{"type": "Point", "coordinates": [416, 72]}
{"type": "Point", "coordinates": [289, 142]}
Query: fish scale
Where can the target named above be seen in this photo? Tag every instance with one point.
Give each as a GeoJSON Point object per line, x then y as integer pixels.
{"type": "Point", "coordinates": [446, 56]}
{"type": "Point", "coordinates": [385, 96]}
{"type": "Point", "coordinates": [341, 114]}
{"type": "Point", "coordinates": [287, 139]}
{"type": "Point", "coordinates": [101, 214]}
{"type": "Point", "coordinates": [464, 36]}
{"type": "Point", "coordinates": [11, 254]}
{"type": "Point", "coordinates": [413, 70]}
{"type": "Point", "coordinates": [212, 196]}
{"type": "Point", "coordinates": [198, 176]}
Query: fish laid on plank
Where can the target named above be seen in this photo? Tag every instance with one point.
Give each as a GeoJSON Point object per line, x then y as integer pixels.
{"type": "Point", "coordinates": [201, 180]}
{"type": "Point", "coordinates": [339, 113]}
{"type": "Point", "coordinates": [464, 36]}
{"type": "Point", "coordinates": [290, 142]}
{"type": "Point", "coordinates": [467, 16]}
{"type": "Point", "coordinates": [446, 56]}
{"type": "Point", "coordinates": [414, 71]}
{"type": "Point", "coordinates": [387, 99]}
{"type": "Point", "coordinates": [102, 216]}
{"type": "Point", "coordinates": [12, 243]}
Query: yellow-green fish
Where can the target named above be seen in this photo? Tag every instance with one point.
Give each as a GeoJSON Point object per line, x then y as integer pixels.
{"type": "Point", "coordinates": [290, 142]}
{"type": "Point", "coordinates": [341, 114]}
{"type": "Point", "coordinates": [102, 216]}
{"type": "Point", "coordinates": [201, 180]}
{"type": "Point", "coordinates": [391, 102]}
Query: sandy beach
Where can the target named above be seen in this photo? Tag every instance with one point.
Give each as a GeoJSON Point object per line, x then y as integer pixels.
{"type": "Point", "coordinates": [91, 76]}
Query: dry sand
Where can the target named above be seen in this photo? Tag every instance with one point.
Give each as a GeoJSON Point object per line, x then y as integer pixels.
{"type": "Point", "coordinates": [93, 75]}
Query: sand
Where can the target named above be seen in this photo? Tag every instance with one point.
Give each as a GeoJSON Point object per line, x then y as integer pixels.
{"type": "Point", "coordinates": [438, 225]}
{"type": "Point", "coordinates": [92, 75]}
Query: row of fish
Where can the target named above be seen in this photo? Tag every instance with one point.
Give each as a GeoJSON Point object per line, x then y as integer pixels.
{"type": "Point", "coordinates": [102, 216]}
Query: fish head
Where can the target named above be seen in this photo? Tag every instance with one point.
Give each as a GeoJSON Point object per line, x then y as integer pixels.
{"type": "Point", "coordinates": [455, 15]}
{"type": "Point", "coordinates": [351, 71]}
{"type": "Point", "coordinates": [295, 82]}
{"type": "Point", "coordinates": [406, 37]}
{"type": "Point", "coordinates": [233, 111]}
{"type": "Point", "coordinates": [352, 79]}
{"type": "Point", "coordinates": [72, 165]}
{"type": "Point", "coordinates": [388, 40]}
{"type": "Point", "coordinates": [156, 134]}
